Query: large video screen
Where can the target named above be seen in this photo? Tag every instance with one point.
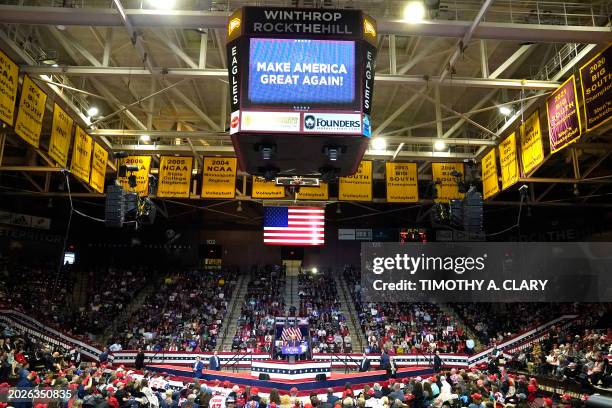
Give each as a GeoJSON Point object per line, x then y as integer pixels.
{"type": "Point", "coordinates": [293, 72]}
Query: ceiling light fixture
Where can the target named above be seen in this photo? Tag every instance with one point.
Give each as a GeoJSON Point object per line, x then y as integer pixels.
{"type": "Point", "coordinates": [414, 12]}
{"type": "Point", "coordinates": [504, 110]}
{"type": "Point", "coordinates": [145, 138]}
{"type": "Point", "coordinates": [92, 111]}
{"type": "Point", "coordinates": [162, 4]}
{"type": "Point", "coordinates": [379, 143]}
{"type": "Point", "coordinates": [439, 145]}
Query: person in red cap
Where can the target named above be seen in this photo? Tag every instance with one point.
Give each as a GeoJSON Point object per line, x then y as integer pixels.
{"type": "Point", "coordinates": [110, 397]}
{"type": "Point", "coordinates": [255, 395]}
{"type": "Point", "coordinates": [547, 402]}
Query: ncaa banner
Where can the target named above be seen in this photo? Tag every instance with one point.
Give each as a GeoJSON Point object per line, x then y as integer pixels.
{"type": "Point", "coordinates": [597, 89]}
{"type": "Point", "coordinates": [508, 161]}
{"type": "Point", "coordinates": [61, 133]}
{"type": "Point", "coordinates": [532, 148]}
{"type": "Point", "coordinates": [563, 116]}
{"type": "Point", "coordinates": [9, 82]}
{"type": "Point", "coordinates": [142, 175]}
{"type": "Point", "coordinates": [357, 187]}
{"type": "Point", "coordinates": [174, 176]}
{"type": "Point", "coordinates": [98, 168]}
{"type": "Point", "coordinates": [219, 177]}
{"type": "Point", "coordinates": [490, 185]}
{"type": "Point", "coordinates": [31, 112]}
{"type": "Point", "coordinates": [314, 193]}
{"type": "Point", "coordinates": [447, 188]}
{"type": "Point", "coordinates": [80, 164]}
{"type": "Point", "coordinates": [402, 182]}
{"type": "Point", "coordinates": [266, 189]}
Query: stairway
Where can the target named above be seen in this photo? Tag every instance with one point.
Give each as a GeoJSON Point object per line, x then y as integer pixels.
{"type": "Point", "coordinates": [347, 309]}
{"type": "Point", "coordinates": [445, 308]}
{"type": "Point", "coordinates": [292, 297]}
{"type": "Point", "coordinates": [234, 311]}
{"type": "Point", "coordinates": [127, 311]}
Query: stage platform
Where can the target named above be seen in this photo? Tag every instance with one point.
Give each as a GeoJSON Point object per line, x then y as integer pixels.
{"type": "Point", "coordinates": [337, 381]}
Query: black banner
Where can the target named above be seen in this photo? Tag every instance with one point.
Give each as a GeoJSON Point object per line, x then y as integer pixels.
{"type": "Point", "coordinates": [293, 22]}
{"type": "Point", "coordinates": [369, 64]}
{"type": "Point", "coordinates": [234, 55]}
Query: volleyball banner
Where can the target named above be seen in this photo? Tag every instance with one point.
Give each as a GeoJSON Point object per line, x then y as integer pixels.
{"type": "Point", "coordinates": [448, 189]}
{"type": "Point", "coordinates": [402, 182]}
{"type": "Point", "coordinates": [597, 89]}
{"type": "Point", "coordinates": [508, 161]}
{"type": "Point", "coordinates": [490, 185]}
{"type": "Point", "coordinates": [8, 88]}
{"type": "Point", "coordinates": [532, 148]}
{"type": "Point", "coordinates": [219, 177]}
{"type": "Point", "coordinates": [142, 174]}
{"type": "Point", "coordinates": [80, 165]}
{"type": "Point", "coordinates": [61, 134]}
{"type": "Point", "coordinates": [98, 168]}
{"type": "Point", "coordinates": [174, 177]}
{"type": "Point", "coordinates": [357, 187]}
{"type": "Point", "coordinates": [266, 189]}
{"type": "Point", "coordinates": [563, 117]}
{"type": "Point", "coordinates": [31, 112]}
{"type": "Point", "coordinates": [321, 192]}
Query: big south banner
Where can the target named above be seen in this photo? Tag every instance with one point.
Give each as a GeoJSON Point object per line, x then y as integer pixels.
{"type": "Point", "coordinates": [563, 116]}
{"type": "Point", "coordinates": [31, 112]}
{"type": "Point", "coordinates": [532, 149]}
{"type": "Point", "coordinates": [9, 83]}
{"type": "Point", "coordinates": [490, 184]}
{"type": "Point", "coordinates": [402, 182]}
{"type": "Point", "coordinates": [219, 177]}
{"type": "Point", "coordinates": [597, 89]}
{"type": "Point", "coordinates": [98, 168]}
{"type": "Point", "coordinates": [357, 187]}
{"type": "Point", "coordinates": [442, 174]}
{"type": "Point", "coordinates": [508, 161]}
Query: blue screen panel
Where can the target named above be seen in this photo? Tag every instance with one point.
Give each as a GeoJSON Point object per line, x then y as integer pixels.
{"type": "Point", "coordinates": [301, 72]}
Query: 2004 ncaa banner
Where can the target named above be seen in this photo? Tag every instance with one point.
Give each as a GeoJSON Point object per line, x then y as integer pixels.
{"type": "Point", "coordinates": [219, 177]}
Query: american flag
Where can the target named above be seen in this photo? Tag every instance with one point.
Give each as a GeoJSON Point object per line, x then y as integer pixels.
{"type": "Point", "coordinates": [294, 225]}
{"type": "Point", "coordinates": [291, 331]}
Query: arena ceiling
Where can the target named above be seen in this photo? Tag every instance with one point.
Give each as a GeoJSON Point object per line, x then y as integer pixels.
{"type": "Point", "coordinates": [443, 78]}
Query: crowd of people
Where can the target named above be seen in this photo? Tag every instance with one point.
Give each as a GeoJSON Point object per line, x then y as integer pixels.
{"type": "Point", "coordinates": [185, 313]}
{"type": "Point", "coordinates": [40, 365]}
{"type": "Point", "coordinates": [405, 328]}
{"type": "Point", "coordinates": [319, 301]}
{"type": "Point", "coordinates": [263, 302]}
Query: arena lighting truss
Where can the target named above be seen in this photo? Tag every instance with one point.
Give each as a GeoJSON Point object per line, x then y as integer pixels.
{"type": "Point", "coordinates": [465, 26]}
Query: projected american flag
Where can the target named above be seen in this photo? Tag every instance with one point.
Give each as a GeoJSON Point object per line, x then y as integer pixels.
{"type": "Point", "coordinates": [294, 226]}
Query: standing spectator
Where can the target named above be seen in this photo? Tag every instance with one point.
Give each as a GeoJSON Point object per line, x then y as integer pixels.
{"type": "Point", "coordinates": [139, 361]}
{"type": "Point", "coordinates": [214, 363]}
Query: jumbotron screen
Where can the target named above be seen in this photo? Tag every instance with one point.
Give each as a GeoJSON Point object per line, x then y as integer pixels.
{"type": "Point", "coordinates": [298, 72]}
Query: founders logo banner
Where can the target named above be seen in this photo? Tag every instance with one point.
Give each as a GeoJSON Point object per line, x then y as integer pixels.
{"type": "Point", "coordinates": [486, 272]}
{"type": "Point", "coordinates": [332, 123]}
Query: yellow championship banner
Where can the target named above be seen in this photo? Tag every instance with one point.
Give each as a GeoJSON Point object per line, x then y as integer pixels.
{"type": "Point", "coordinates": [532, 148]}
{"type": "Point", "coordinates": [174, 176]}
{"type": "Point", "coordinates": [402, 183]}
{"type": "Point", "coordinates": [447, 187]}
{"type": "Point", "coordinates": [357, 187]}
{"type": "Point", "coordinates": [9, 82]}
{"type": "Point", "coordinates": [219, 177]}
{"type": "Point", "coordinates": [597, 89]}
{"type": "Point", "coordinates": [61, 132]}
{"type": "Point", "coordinates": [490, 185]}
{"type": "Point", "coordinates": [98, 168]}
{"type": "Point", "coordinates": [266, 189]}
{"type": "Point", "coordinates": [314, 193]}
{"type": "Point", "coordinates": [80, 165]}
{"type": "Point", "coordinates": [142, 174]}
{"type": "Point", "coordinates": [508, 161]}
{"type": "Point", "coordinates": [31, 112]}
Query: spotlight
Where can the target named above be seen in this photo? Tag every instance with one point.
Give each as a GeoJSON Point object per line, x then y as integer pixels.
{"type": "Point", "coordinates": [439, 145]}
{"type": "Point", "coordinates": [55, 65]}
{"type": "Point", "coordinates": [92, 111]}
{"type": "Point", "coordinates": [162, 4]}
{"type": "Point", "coordinates": [414, 12]}
{"type": "Point", "coordinates": [49, 61]}
{"type": "Point", "coordinates": [504, 110]}
{"type": "Point", "coordinates": [145, 138]}
{"type": "Point", "coordinates": [60, 27]}
{"type": "Point", "coordinates": [314, 271]}
{"type": "Point", "coordinates": [379, 143]}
